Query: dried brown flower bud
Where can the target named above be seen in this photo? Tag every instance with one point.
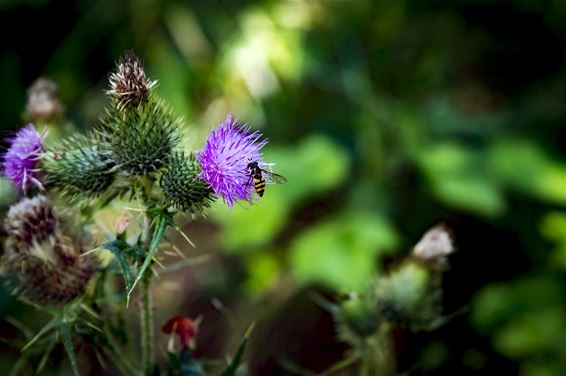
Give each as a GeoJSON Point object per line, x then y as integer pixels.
{"type": "Point", "coordinates": [434, 247]}
{"type": "Point", "coordinates": [129, 85]}
{"type": "Point", "coordinates": [41, 256]}
{"type": "Point", "coordinates": [43, 105]}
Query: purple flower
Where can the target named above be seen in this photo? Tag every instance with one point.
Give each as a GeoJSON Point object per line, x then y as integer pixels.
{"type": "Point", "coordinates": [22, 157]}
{"type": "Point", "coordinates": [225, 157]}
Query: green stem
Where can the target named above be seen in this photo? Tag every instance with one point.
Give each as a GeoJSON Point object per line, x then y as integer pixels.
{"type": "Point", "coordinates": [147, 325]}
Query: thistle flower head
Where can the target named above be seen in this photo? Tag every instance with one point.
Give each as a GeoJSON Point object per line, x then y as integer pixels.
{"type": "Point", "coordinates": [21, 160]}
{"type": "Point", "coordinates": [434, 247]}
{"type": "Point", "coordinates": [43, 103]}
{"type": "Point", "coordinates": [225, 157]}
{"type": "Point", "coordinates": [41, 256]}
{"type": "Point", "coordinates": [142, 140]}
{"type": "Point", "coordinates": [182, 187]}
{"type": "Point", "coordinates": [129, 85]}
{"type": "Point", "coordinates": [83, 169]}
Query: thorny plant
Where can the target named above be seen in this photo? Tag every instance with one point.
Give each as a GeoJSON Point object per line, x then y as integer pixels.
{"type": "Point", "coordinates": [50, 260]}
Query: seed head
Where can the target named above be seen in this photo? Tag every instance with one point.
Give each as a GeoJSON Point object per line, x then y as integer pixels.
{"type": "Point", "coordinates": [22, 158]}
{"type": "Point", "coordinates": [129, 85]}
{"type": "Point", "coordinates": [225, 157]}
{"type": "Point", "coordinates": [434, 248]}
{"type": "Point", "coordinates": [41, 257]}
{"type": "Point", "coordinates": [43, 105]}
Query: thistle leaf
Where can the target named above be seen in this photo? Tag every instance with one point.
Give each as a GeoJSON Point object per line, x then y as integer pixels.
{"type": "Point", "coordinates": [50, 325]}
{"type": "Point", "coordinates": [159, 231]}
{"type": "Point", "coordinates": [66, 336]}
{"type": "Point", "coordinates": [234, 366]}
{"type": "Point", "coordinates": [118, 250]}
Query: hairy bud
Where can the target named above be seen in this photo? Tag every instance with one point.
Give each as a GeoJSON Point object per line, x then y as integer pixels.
{"type": "Point", "coordinates": [41, 257]}
{"type": "Point", "coordinates": [129, 85]}
{"type": "Point", "coordinates": [143, 139]}
{"type": "Point", "coordinates": [43, 105]}
{"type": "Point", "coordinates": [358, 317]}
{"type": "Point", "coordinates": [182, 187]}
{"type": "Point", "coordinates": [410, 297]}
{"type": "Point", "coordinates": [82, 169]}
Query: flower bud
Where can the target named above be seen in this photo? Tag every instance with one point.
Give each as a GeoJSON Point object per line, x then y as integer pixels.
{"type": "Point", "coordinates": [43, 105]}
{"type": "Point", "coordinates": [129, 85]}
{"type": "Point", "coordinates": [83, 168]}
{"type": "Point", "coordinates": [358, 317]}
{"type": "Point", "coordinates": [41, 257]}
{"type": "Point", "coordinates": [409, 297]}
{"type": "Point", "coordinates": [143, 139]}
{"type": "Point", "coordinates": [182, 187]}
{"type": "Point", "coordinates": [184, 327]}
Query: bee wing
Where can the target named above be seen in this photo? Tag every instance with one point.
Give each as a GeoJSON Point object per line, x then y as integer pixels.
{"type": "Point", "coordinates": [272, 178]}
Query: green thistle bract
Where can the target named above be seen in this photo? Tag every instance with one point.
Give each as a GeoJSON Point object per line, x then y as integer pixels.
{"type": "Point", "coordinates": [182, 187]}
{"type": "Point", "coordinates": [143, 138]}
{"type": "Point", "coordinates": [82, 169]}
{"type": "Point", "coordinates": [410, 297]}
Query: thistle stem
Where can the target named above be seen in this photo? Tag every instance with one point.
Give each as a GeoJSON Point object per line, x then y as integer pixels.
{"type": "Point", "coordinates": [147, 326]}
{"type": "Point", "coordinates": [146, 316]}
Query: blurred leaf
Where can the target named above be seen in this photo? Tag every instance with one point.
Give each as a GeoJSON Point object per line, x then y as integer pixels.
{"type": "Point", "coordinates": [315, 166]}
{"type": "Point", "coordinates": [236, 363]}
{"type": "Point", "coordinates": [65, 330]}
{"type": "Point", "coordinates": [263, 271]}
{"type": "Point", "coordinates": [524, 166]}
{"type": "Point", "coordinates": [553, 227]}
{"type": "Point", "coordinates": [342, 252]}
{"type": "Point", "coordinates": [538, 332]}
{"type": "Point", "coordinates": [456, 177]}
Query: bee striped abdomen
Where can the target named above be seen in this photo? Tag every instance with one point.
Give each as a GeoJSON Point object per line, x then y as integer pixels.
{"type": "Point", "coordinates": [259, 183]}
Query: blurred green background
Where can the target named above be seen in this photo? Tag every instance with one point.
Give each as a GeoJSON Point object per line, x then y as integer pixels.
{"type": "Point", "coordinates": [386, 117]}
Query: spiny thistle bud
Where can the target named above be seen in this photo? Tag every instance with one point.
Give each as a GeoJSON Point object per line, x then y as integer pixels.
{"type": "Point", "coordinates": [358, 317]}
{"type": "Point", "coordinates": [82, 169]}
{"type": "Point", "coordinates": [143, 139]}
{"type": "Point", "coordinates": [434, 248]}
{"type": "Point", "coordinates": [410, 297]}
{"type": "Point", "coordinates": [129, 85]}
{"type": "Point", "coordinates": [43, 105]}
{"type": "Point", "coordinates": [42, 260]}
{"type": "Point", "coordinates": [182, 187]}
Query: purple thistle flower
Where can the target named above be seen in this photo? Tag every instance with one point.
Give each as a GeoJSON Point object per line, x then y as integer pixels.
{"type": "Point", "coordinates": [22, 157]}
{"type": "Point", "coordinates": [225, 157]}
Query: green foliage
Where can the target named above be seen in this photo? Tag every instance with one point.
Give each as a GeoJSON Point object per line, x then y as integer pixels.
{"type": "Point", "coordinates": [342, 252]}
{"type": "Point", "coordinates": [526, 320]}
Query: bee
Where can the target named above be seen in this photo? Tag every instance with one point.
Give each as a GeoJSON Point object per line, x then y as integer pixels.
{"type": "Point", "coordinates": [261, 177]}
